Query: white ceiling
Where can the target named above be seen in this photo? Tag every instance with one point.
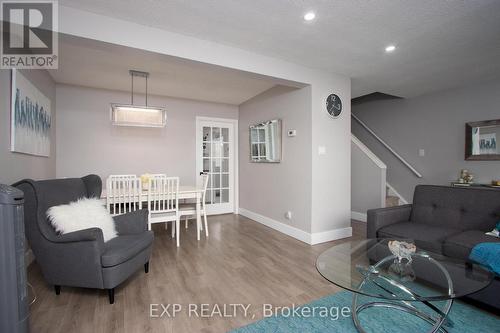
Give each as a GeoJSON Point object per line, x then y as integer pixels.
{"type": "Point", "coordinates": [441, 43]}
{"type": "Point", "coordinates": [97, 64]}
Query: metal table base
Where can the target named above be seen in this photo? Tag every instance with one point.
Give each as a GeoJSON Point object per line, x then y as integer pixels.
{"type": "Point", "coordinates": [405, 306]}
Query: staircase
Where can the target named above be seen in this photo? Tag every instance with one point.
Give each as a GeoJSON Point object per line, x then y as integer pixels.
{"type": "Point", "coordinates": [391, 201]}
{"type": "Point", "coordinates": [368, 168]}
{"type": "Point", "coordinates": [393, 198]}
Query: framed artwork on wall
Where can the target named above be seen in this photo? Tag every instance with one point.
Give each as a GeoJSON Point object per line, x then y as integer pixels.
{"type": "Point", "coordinates": [481, 140]}
{"type": "Point", "coordinates": [30, 118]}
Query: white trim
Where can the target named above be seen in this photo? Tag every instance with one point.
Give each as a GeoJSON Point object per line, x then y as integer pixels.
{"type": "Point", "coordinates": [220, 120]}
{"type": "Point", "coordinates": [330, 235]}
{"type": "Point", "coordinates": [358, 216]}
{"type": "Point", "coordinates": [383, 188]}
{"type": "Point", "coordinates": [236, 167]}
{"type": "Point", "coordinates": [378, 162]}
{"type": "Point", "coordinates": [392, 191]}
{"type": "Point", "coordinates": [311, 239]}
{"type": "Point", "coordinates": [279, 226]}
{"type": "Point", "coordinates": [236, 191]}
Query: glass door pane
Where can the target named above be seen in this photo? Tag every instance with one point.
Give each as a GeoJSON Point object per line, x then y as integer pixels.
{"type": "Point", "coordinates": [207, 134]}
{"type": "Point", "coordinates": [216, 134]}
{"type": "Point", "coordinates": [225, 135]}
{"type": "Point", "coordinates": [225, 180]}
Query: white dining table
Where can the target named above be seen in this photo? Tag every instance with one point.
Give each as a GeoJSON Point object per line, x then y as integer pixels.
{"type": "Point", "coordinates": [185, 192]}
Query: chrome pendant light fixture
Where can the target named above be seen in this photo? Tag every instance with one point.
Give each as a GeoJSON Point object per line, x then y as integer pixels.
{"type": "Point", "coordinates": [138, 115]}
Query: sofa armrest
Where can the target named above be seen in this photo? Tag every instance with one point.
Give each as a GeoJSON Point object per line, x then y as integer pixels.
{"type": "Point", "coordinates": [132, 223]}
{"type": "Point", "coordinates": [381, 217]}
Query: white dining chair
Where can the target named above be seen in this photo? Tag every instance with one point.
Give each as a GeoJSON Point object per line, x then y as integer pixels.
{"type": "Point", "coordinates": [123, 194]}
{"type": "Point", "coordinates": [189, 210]}
{"type": "Point", "coordinates": [163, 202]}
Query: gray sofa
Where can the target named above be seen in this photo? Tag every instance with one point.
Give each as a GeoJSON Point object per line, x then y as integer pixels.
{"type": "Point", "coordinates": [81, 258]}
{"type": "Point", "coordinates": [444, 220]}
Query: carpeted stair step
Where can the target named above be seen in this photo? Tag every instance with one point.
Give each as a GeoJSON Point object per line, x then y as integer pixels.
{"type": "Point", "coordinates": [391, 201]}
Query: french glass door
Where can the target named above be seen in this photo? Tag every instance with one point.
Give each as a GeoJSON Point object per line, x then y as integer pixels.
{"type": "Point", "coordinates": [215, 156]}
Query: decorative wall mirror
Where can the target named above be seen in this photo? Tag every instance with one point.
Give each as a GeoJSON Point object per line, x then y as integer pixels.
{"type": "Point", "coordinates": [265, 142]}
{"type": "Point", "coordinates": [481, 140]}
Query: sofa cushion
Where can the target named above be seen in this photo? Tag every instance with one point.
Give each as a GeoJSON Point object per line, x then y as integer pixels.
{"type": "Point", "coordinates": [459, 246]}
{"type": "Point", "coordinates": [122, 248]}
{"type": "Point", "coordinates": [458, 208]}
{"type": "Point", "coordinates": [427, 237]}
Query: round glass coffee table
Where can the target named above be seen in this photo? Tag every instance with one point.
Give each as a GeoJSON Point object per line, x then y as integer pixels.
{"type": "Point", "coordinates": [368, 268]}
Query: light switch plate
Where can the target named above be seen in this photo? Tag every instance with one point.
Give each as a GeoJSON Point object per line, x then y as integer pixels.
{"type": "Point", "coordinates": [292, 132]}
{"type": "Point", "coordinates": [321, 150]}
{"type": "Point", "coordinates": [421, 152]}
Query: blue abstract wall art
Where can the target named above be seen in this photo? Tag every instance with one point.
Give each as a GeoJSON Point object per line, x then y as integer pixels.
{"type": "Point", "coordinates": [31, 118]}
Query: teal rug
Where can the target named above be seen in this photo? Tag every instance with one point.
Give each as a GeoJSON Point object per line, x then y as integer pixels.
{"type": "Point", "coordinates": [465, 319]}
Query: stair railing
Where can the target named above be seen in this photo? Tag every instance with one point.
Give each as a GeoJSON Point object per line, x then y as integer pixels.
{"type": "Point", "coordinates": [386, 145]}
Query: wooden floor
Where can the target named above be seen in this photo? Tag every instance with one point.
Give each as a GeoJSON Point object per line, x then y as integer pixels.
{"type": "Point", "coordinates": [243, 262]}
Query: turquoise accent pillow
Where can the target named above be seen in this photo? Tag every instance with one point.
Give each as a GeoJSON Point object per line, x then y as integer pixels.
{"type": "Point", "coordinates": [487, 255]}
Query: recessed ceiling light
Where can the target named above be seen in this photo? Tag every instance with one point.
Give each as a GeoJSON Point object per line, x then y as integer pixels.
{"type": "Point", "coordinates": [309, 16]}
{"type": "Point", "coordinates": [390, 48]}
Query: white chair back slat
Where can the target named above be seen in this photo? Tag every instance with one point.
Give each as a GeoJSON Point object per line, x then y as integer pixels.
{"type": "Point", "coordinates": [163, 194]}
{"type": "Point", "coordinates": [119, 196]}
{"type": "Point", "coordinates": [128, 204]}
{"type": "Point", "coordinates": [123, 194]}
{"type": "Point", "coordinates": [204, 181]}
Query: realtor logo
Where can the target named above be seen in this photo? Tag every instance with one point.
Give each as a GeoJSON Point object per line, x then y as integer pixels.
{"type": "Point", "coordinates": [29, 34]}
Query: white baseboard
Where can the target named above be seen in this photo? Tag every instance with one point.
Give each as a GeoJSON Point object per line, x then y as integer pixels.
{"type": "Point", "coordinates": [276, 225]}
{"type": "Point", "coordinates": [312, 239]}
{"type": "Point", "coordinates": [358, 216]}
{"type": "Point", "coordinates": [330, 235]}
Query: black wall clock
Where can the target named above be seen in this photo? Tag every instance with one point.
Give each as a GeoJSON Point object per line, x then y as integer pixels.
{"type": "Point", "coordinates": [333, 105]}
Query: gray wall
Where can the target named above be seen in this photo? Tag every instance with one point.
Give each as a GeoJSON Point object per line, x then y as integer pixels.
{"type": "Point", "coordinates": [367, 180]}
{"type": "Point", "coordinates": [271, 189]}
{"type": "Point", "coordinates": [16, 166]}
{"type": "Point", "coordinates": [88, 143]}
{"type": "Point", "coordinates": [436, 123]}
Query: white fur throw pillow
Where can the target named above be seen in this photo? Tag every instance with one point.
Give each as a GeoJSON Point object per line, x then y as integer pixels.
{"type": "Point", "coordinates": [82, 214]}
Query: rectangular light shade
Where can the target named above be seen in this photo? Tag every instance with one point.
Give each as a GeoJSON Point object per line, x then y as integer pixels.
{"type": "Point", "coordinates": [142, 116]}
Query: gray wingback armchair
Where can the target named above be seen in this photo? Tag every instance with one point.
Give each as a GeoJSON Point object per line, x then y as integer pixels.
{"type": "Point", "coordinates": [82, 258]}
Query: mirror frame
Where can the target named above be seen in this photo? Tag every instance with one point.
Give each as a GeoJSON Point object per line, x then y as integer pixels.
{"type": "Point", "coordinates": [280, 143]}
{"type": "Point", "coordinates": [468, 141]}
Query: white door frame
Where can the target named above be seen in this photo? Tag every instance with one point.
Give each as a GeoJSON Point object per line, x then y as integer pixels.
{"type": "Point", "coordinates": [234, 122]}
